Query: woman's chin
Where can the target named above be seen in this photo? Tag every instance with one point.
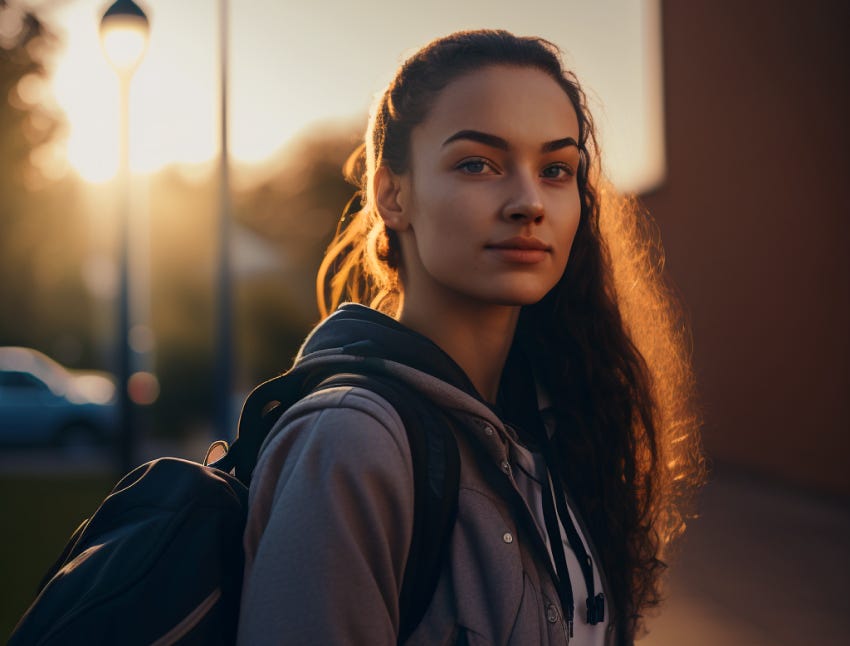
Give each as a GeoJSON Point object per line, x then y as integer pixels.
{"type": "Point", "coordinates": [518, 298]}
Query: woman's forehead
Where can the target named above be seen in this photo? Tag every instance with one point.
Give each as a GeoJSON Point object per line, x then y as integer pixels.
{"type": "Point", "coordinates": [522, 105]}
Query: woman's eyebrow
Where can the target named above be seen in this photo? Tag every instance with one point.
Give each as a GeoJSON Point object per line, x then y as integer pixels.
{"type": "Point", "coordinates": [495, 141]}
{"type": "Point", "coordinates": [481, 137]}
{"type": "Point", "coordinates": [549, 146]}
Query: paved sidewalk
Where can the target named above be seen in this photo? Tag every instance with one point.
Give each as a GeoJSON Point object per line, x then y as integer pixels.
{"type": "Point", "coordinates": [764, 565]}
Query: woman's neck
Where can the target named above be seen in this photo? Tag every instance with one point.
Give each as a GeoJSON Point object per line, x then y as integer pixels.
{"type": "Point", "coordinates": [478, 337]}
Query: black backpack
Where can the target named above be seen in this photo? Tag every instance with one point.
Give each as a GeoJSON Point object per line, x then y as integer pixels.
{"type": "Point", "coordinates": [160, 561]}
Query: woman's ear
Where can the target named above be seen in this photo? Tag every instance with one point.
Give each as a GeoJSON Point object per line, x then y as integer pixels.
{"type": "Point", "coordinates": [391, 198]}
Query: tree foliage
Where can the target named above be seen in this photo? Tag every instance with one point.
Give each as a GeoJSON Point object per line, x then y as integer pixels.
{"type": "Point", "coordinates": [25, 124]}
{"type": "Point", "coordinates": [36, 214]}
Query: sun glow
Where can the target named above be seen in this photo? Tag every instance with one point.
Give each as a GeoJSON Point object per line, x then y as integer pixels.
{"type": "Point", "coordinates": [124, 45]}
{"type": "Point", "coordinates": [291, 67]}
{"type": "Point", "coordinates": [172, 98]}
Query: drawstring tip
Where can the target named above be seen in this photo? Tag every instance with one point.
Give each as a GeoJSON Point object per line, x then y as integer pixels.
{"type": "Point", "coordinates": [596, 609]}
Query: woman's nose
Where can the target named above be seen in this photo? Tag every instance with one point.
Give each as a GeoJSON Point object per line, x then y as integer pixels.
{"type": "Point", "coordinates": [525, 203]}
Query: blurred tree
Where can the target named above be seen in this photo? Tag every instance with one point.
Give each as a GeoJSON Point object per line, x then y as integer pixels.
{"type": "Point", "coordinates": [299, 207]}
{"type": "Point", "coordinates": [297, 211]}
{"type": "Point", "coordinates": [40, 211]}
{"type": "Point", "coordinates": [25, 126]}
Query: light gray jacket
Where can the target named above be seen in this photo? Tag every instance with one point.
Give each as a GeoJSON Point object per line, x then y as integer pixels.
{"type": "Point", "coordinates": [330, 522]}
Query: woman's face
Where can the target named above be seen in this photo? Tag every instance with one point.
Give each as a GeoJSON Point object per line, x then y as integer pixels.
{"type": "Point", "coordinates": [490, 204]}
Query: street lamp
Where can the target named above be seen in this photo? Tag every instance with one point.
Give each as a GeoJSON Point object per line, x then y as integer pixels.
{"type": "Point", "coordinates": [224, 332]}
{"type": "Point", "coordinates": [124, 36]}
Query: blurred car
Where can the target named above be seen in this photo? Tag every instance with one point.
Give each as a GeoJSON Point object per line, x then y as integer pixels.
{"type": "Point", "coordinates": [44, 403]}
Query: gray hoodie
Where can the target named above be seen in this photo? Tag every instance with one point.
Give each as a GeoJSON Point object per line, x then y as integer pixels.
{"type": "Point", "coordinates": [331, 514]}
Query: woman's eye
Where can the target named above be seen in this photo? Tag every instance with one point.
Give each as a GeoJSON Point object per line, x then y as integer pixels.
{"type": "Point", "coordinates": [474, 166]}
{"type": "Point", "coordinates": [558, 171]}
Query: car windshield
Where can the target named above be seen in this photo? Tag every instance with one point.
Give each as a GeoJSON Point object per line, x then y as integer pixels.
{"type": "Point", "coordinates": [40, 365]}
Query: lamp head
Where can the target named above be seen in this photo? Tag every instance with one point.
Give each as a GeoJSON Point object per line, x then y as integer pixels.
{"type": "Point", "coordinates": [124, 35]}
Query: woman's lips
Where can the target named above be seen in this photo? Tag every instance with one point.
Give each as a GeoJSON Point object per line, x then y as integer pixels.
{"type": "Point", "coordinates": [521, 250]}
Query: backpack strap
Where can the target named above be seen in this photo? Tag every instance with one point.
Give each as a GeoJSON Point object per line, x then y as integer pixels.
{"type": "Point", "coordinates": [261, 410]}
{"type": "Point", "coordinates": [436, 481]}
{"type": "Point", "coordinates": [433, 450]}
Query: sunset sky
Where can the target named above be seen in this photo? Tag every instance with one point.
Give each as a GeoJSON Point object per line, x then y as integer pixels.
{"type": "Point", "coordinates": [294, 65]}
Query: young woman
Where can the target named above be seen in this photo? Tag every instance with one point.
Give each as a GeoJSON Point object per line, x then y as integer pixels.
{"type": "Point", "coordinates": [497, 276]}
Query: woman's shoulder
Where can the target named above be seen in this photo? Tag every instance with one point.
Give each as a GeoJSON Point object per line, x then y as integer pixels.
{"type": "Point", "coordinates": [330, 520]}
{"type": "Point", "coordinates": [344, 401]}
{"type": "Point", "coordinates": [338, 425]}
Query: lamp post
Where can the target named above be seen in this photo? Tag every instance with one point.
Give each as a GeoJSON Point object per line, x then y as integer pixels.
{"type": "Point", "coordinates": [124, 36]}
{"type": "Point", "coordinates": [224, 332]}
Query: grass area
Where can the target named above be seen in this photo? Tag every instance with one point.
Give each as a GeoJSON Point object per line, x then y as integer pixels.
{"type": "Point", "coordinates": [39, 514]}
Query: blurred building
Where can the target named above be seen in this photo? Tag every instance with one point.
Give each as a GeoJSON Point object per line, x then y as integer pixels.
{"type": "Point", "coordinates": [756, 222]}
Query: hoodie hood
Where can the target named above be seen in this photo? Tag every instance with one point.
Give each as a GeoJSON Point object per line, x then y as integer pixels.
{"type": "Point", "coordinates": [359, 331]}
{"type": "Point", "coordinates": [358, 334]}
{"type": "Point", "coordinates": [367, 341]}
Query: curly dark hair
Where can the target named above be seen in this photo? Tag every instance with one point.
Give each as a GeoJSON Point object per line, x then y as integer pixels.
{"type": "Point", "coordinates": [608, 340]}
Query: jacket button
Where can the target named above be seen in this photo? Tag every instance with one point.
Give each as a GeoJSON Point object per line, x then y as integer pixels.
{"type": "Point", "coordinates": [551, 613]}
{"type": "Point", "coordinates": [506, 467]}
{"type": "Point", "coordinates": [508, 537]}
